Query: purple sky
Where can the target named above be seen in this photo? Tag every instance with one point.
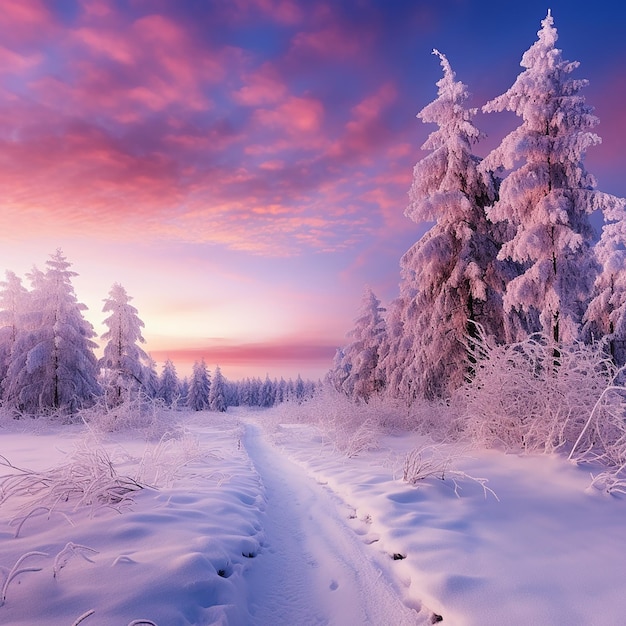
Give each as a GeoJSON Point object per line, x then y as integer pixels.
{"type": "Point", "coordinates": [241, 166]}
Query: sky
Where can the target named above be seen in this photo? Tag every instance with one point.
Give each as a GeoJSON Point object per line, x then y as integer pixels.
{"type": "Point", "coordinates": [241, 167]}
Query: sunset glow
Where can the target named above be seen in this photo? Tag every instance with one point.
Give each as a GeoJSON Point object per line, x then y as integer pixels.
{"type": "Point", "coordinates": [242, 166]}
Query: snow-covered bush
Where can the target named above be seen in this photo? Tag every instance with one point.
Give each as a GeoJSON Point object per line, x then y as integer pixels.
{"type": "Point", "coordinates": [526, 396]}
{"type": "Point", "coordinates": [350, 427]}
{"type": "Point", "coordinates": [134, 412]}
{"type": "Point", "coordinates": [437, 461]}
{"type": "Point", "coordinates": [603, 436]}
{"type": "Point", "coordinates": [87, 478]}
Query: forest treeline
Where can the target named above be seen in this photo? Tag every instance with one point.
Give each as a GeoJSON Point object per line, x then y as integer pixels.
{"type": "Point", "coordinates": [48, 363]}
{"type": "Point", "coordinates": [512, 252]}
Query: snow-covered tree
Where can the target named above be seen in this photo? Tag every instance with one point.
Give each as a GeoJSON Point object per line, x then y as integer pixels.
{"type": "Point", "coordinates": [150, 378]}
{"type": "Point", "coordinates": [169, 388]}
{"type": "Point", "coordinates": [548, 198]}
{"type": "Point", "coordinates": [268, 393]}
{"type": "Point", "coordinates": [450, 278]}
{"type": "Point", "coordinates": [358, 367]}
{"type": "Point", "coordinates": [52, 362]}
{"type": "Point", "coordinates": [199, 387]}
{"type": "Point", "coordinates": [13, 297]}
{"type": "Point", "coordinates": [123, 361]}
{"type": "Point", "coordinates": [606, 314]}
{"type": "Point", "coordinates": [217, 392]}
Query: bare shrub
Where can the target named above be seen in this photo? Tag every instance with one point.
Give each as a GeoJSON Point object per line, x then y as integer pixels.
{"type": "Point", "coordinates": [88, 478]}
{"type": "Point", "coordinates": [437, 461]}
{"type": "Point", "coordinates": [162, 464]}
{"type": "Point", "coordinates": [526, 396]}
{"type": "Point", "coordinates": [136, 412]}
{"type": "Point", "coordinates": [603, 436]}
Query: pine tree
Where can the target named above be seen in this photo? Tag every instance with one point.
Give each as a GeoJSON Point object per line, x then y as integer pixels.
{"type": "Point", "coordinates": [217, 393]}
{"type": "Point", "coordinates": [13, 297]}
{"type": "Point", "coordinates": [450, 279]}
{"type": "Point", "coordinates": [361, 357]}
{"type": "Point", "coordinates": [169, 388]}
{"type": "Point", "coordinates": [52, 363]}
{"type": "Point", "coordinates": [606, 314]}
{"type": "Point", "coordinates": [199, 387]}
{"type": "Point", "coordinates": [268, 393]}
{"type": "Point", "coordinates": [123, 360]}
{"type": "Point", "coordinates": [548, 198]}
{"type": "Point", "coordinates": [150, 378]}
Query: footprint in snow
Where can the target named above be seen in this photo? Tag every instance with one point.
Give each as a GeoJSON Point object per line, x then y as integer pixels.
{"type": "Point", "coordinates": [334, 585]}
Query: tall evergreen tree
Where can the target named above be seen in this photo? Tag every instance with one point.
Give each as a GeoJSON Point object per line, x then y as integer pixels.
{"type": "Point", "coordinates": [606, 314]}
{"type": "Point", "coordinates": [549, 197]}
{"type": "Point", "coordinates": [450, 277]}
{"type": "Point", "coordinates": [52, 363]}
{"type": "Point", "coordinates": [123, 361]}
{"type": "Point", "coordinates": [199, 387]}
{"type": "Point", "coordinates": [358, 371]}
{"type": "Point", "coordinates": [169, 388]}
{"type": "Point", "coordinates": [217, 393]}
{"type": "Point", "coordinates": [13, 298]}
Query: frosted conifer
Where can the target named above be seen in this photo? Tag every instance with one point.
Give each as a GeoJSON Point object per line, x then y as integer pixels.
{"type": "Point", "coordinates": [451, 277]}
{"type": "Point", "coordinates": [606, 314]}
{"type": "Point", "coordinates": [169, 387]}
{"type": "Point", "coordinates": [123, 361]}
{"type": "Point", "coordinates": [13, 298]}
{"type": "Point", "coordinates": [547, 199]}
{"type": "Point", "coordinates": [361, 357]}
{"type": "Point", "coordinates": [217, 393]}
{"type": "Point", "coordinates": [52, 364]}
{"type": "Point", "coordinates": [199, 387]}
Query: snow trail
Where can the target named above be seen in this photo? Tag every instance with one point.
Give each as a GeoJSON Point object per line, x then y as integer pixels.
{"type": "Point", "coordinates": [313, 570]}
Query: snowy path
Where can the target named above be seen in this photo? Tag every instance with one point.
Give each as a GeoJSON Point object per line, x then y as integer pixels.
{"type": "Point", "coordinates": [313, 569]}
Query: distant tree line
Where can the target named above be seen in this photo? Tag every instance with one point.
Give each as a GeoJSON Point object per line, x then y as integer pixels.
{"type": "Point", "coordinates": [48, 364]}
{"type": "Point", "coordinates": [511, 252]}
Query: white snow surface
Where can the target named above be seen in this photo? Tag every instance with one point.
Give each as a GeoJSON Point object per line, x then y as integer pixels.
{"type": "Point", "coordinates": [256, 523]}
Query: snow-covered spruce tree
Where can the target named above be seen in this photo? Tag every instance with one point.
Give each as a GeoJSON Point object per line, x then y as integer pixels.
{"type": "Point", "coordinates": [548, 198]}
{"type": "Point", "coordinates": [199, 387]}
{"type": "Point", "coordinates": [169, 387]}
{"type": "Point", "coordinates": [268, 393]}
{"type": "Point", "coordinates": [451, 277]}
{"type": "Point", "coordinates": [217, 393]}
{"type": "Point", "coordinates": [52, 363]}
{"type": "Point", "coordinates": [150, 378]}
{"type": "Point", "coordinates": [13, 297]}
{"type": "Point", "coordinates": [606, 314]}
{"type": "Point", "coordinates": [358, 370]}
{"type": "Point", "coordinates": [123, 362]}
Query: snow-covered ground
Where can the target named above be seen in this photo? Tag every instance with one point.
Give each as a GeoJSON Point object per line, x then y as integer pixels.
{"type": "Point", "coordinates": [255, 522]}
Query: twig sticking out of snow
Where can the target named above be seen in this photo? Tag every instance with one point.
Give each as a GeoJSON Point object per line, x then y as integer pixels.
{"type": "Point", "coordinates": [66, 555]}
{"type": "Point", "coordinates": [429, 462]}
{"type": "Point", "coordinates": [83, 617]}
{"type": "Point", "coordinates": [20, 521]}
{"type": "Point", "coordinates": [16, 570]}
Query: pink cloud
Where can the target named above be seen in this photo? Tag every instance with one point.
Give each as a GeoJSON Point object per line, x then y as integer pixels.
{"type": "Point", "coordinates": [254, 353]}
{"type": "Point", "coordinates": [331, 41]}
{"type": "Point", "coordinates": [25, 22]}
{"type": "Point", "coordinates": [261, 87]}
{"type": "Point", "coordinates": [286, 12]}
{"type": "Point", "coordinates": [364, 130]}
{"type": "Point", "coordinates": [13, 63]}
{"type": "Point", "coordinates": [294, 115]}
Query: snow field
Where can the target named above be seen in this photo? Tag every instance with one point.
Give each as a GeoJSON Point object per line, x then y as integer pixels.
{"type": "Point", "coordinates": [176, 556]}
{"type": "Point", "coordinates": [256, 521]}
{"type": "Point", "coordinates": [548, 550]}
